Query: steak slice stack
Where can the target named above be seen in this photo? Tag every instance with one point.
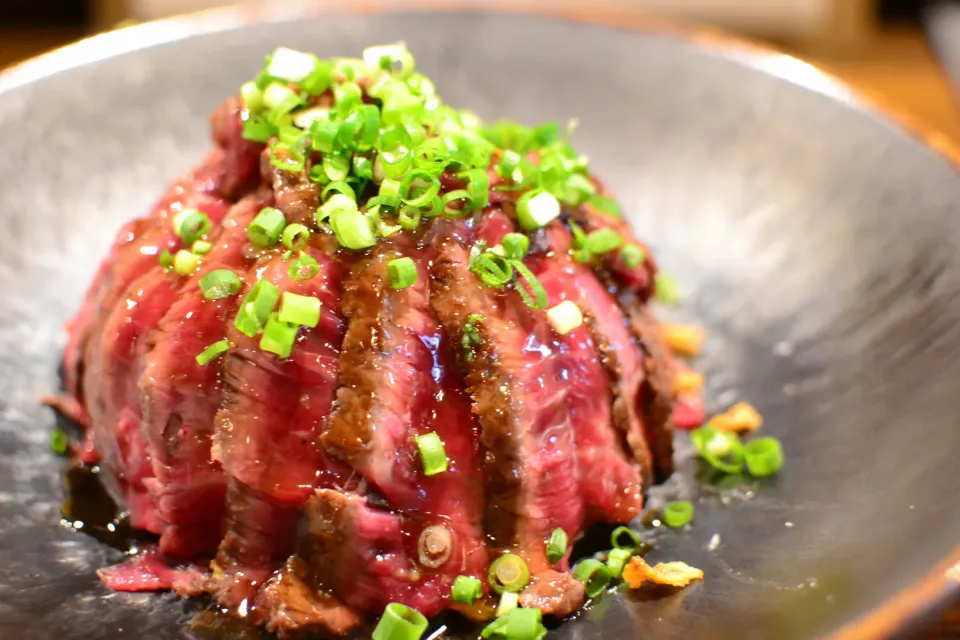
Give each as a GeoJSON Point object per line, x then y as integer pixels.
{"type": "Point", "coordinates": [298, 482]}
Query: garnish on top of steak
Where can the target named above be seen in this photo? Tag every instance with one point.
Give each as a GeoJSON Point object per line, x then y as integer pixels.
{"type": "Point", "coordinates": [374, 356]}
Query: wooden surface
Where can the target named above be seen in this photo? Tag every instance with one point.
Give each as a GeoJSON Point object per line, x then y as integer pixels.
{"type": "Point", "coordinates": [898, 67]}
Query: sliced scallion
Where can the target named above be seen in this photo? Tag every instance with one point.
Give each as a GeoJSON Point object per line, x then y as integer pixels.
{"type": "Point", "coordinates": [304, 267]}
{"type": "Point", "coordinates": [212, 352]}
{"type": "Point", "coordinates": [401, 273]}
{"type": "Point", "coordinates": [466, 589]}
{"type": "Point", "coordinates": [617, 560]}
{"type": "Point", "coordinates": [433, 456]}
{"type": "Point", "coordinates": [594, 574]}
{"type": "Point", "coordinates": [632, 256]}
{"type": "Point", "coordinates": [508, 573]}
{"type": "Point", "coordinates": [278, 336]}
{"type": "Point", "coordinates": [495, 271]}
{"type": "Point", "coordinates": [60, 444]}
{"type": "Point", "coordinates": [185, 263]}
{"type": "Point", "coordinates": [256, 307]}
{"type": "Point", "coordinates": [515, 245]}
{"type": "Point", "coordinates": [557, 545]}
{"type": "Point", "coordinates": [764, 456]}
{"type": "Point", "coordinates": [678, 513]}
{"type": "Point", "coordinates": [633, 540]}
{"type": "Point", "coordinates": [219, 283]}
{"type": "Point", "coordinates": [721, 450]}
{"type": "Point", "coordinates": [266, 227]}
{"type": "Point", "coordinates": [565, 317]}
{"type": "Point", "coordinates": [295, 237]}
{"type": "Point", "coordinates": [400, 622]}
{"type": "Point", "coordinates": [508, 602]}
{"type": "Point", "coordinates": [191, 225]}
{"type": "Point", "coordinates": [531, 291]}
{"type": "Point", "coordinates": [299, 310]}
{"type": "Point", "coordinates": [603, 241]}
{"type": "Point", "coordinates": [536, 209]}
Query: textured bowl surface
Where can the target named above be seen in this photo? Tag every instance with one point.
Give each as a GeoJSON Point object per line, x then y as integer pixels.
{"type": "Point", "coordinates": [815, 239]}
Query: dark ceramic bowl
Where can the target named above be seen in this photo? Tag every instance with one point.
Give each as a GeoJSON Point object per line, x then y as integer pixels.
{"type": "Point", "coordinates": [817, 240]}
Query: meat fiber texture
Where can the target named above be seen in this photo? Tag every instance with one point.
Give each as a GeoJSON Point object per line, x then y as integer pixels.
{"type": "Point", "coordinates": [292, 489]}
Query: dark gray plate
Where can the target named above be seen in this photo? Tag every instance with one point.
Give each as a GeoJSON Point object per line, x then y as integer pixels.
{"type": "Point", "coordinates": [816, 240]}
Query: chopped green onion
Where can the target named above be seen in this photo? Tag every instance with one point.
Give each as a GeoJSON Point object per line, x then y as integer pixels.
{"type": "Point", "coordinates": [605, 205]}
{"type": "Point", "coordinates": [252, 96]}
{"type": "Point", "coordinates": [346, 96]}
{"type": "Point", "coordinates": [616, 538]}
{"type": "Point", "coordinates": [508, 573]}
{"type": "Point", "coordinates": [280, 100]}
{"type": "Point", "coordinates": [721, 450]}
{"type": "Point", "coordinates": [191, 225]}
{"type": "Point", "coordinates": [266, 227]}
{"type": "Point", "coordinates": [432, 454]}
{"type": "Point", "coordinates": [353, 229]}
{"type": "Point", "coordinates": [257, 129]}
{"type": "Point", "coordinates": [305, 118]}
{"type": "Point", "coordinates": [400, 622]}
{"type": "Point", "coordinates": [678, 513]}
{"type": "Point", "coordinates": [212, 352]}
{"type": "Point", "coordinates": [519, 624]}
{"type": "Point", "coordinates": [287, 157]}
{"type": "Point", "coordinates": [362, 167]}
{"type": "Point", "coordinates": [299, 310]}
{"type": "Point", "coordinates": [59, 444]}
{"type": "Point", "coordinates": [295, 237]}
{"type": "Point", "coordinates": [764, 456]}
{"type": "Point", "coordinates": [402, 273]}
{"type": "Point", "coordinates": [256, 308]}
{"type": "Point", "coordinates": [577, 190]}
{"type": "Point", "coordinates": [495, 271]}
{"type": "Point", "coordinates": [166, 259]}
{"type": "Point", "coordinates": [409, 217]}
{"type": "Point", "coordinates": [515, 245]}
{"type": "Point", "coordinates": [304, 267]}
{"type": "Point", "coordinates": [323, 133]}
{"type": "Point", "coordinates": [340, 187]}
{"type": "Point", "coordinates": [508, 602]}
{"type": "Point", "coordinates": [632, 256]}
{"type": "Point", "coordinates": [617, 560]}
{"type": "Point", "coordinates": [536, 209]}
{"type": "Point", "coordinates": [454, 196]}
{"type": "Point", "coordinates": [319, 79]}
{"type": "Point", "coordinates": [292, 66]}
{"type": "Point", "coordinates": [278, 336]}
{"type": "Point", "coordinates": [201, 247]}
{"type": "Point", "coordinates": [603, 241]}
{"type": "Point", "coordinates": [336, 166]}
{"type": "Point", "coordinates": [466, 589]}
{"type": "Point", "coordinates": [565, 317]}
{"type": "Point", "coordinates": [471, 336]}
{"type": "Point", "coordinates": [336, 202]}
{"type": "Point", "coordinates": [529, 288]}
{"type": "Point", "coordinates": [392, 58]}
{"type": "Point", "coordinates": [220, 283]}
{"type": "Point", "coordinates": [594, 574]}
{"type": "Point", "coordinates": [185, 262]}
{"type": "Point", "coordinates": [478, 186]}
{"type": "Point", "coordinates": [666, 288]}
{"type": "Point", "coordinates": [557, 545]}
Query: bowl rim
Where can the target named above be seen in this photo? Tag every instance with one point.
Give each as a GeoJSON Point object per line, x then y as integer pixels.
{"type": "Point", "coordinates": [930, 593]}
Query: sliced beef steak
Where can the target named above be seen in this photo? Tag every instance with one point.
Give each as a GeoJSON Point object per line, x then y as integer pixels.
{"type": "Point", "coordinates": [515, 379]}
{"type": "Point", "coordinates": [292, 488]}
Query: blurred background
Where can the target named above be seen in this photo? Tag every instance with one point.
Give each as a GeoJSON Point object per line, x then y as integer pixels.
{"type": "Point", "coordinates": [895, 48]}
